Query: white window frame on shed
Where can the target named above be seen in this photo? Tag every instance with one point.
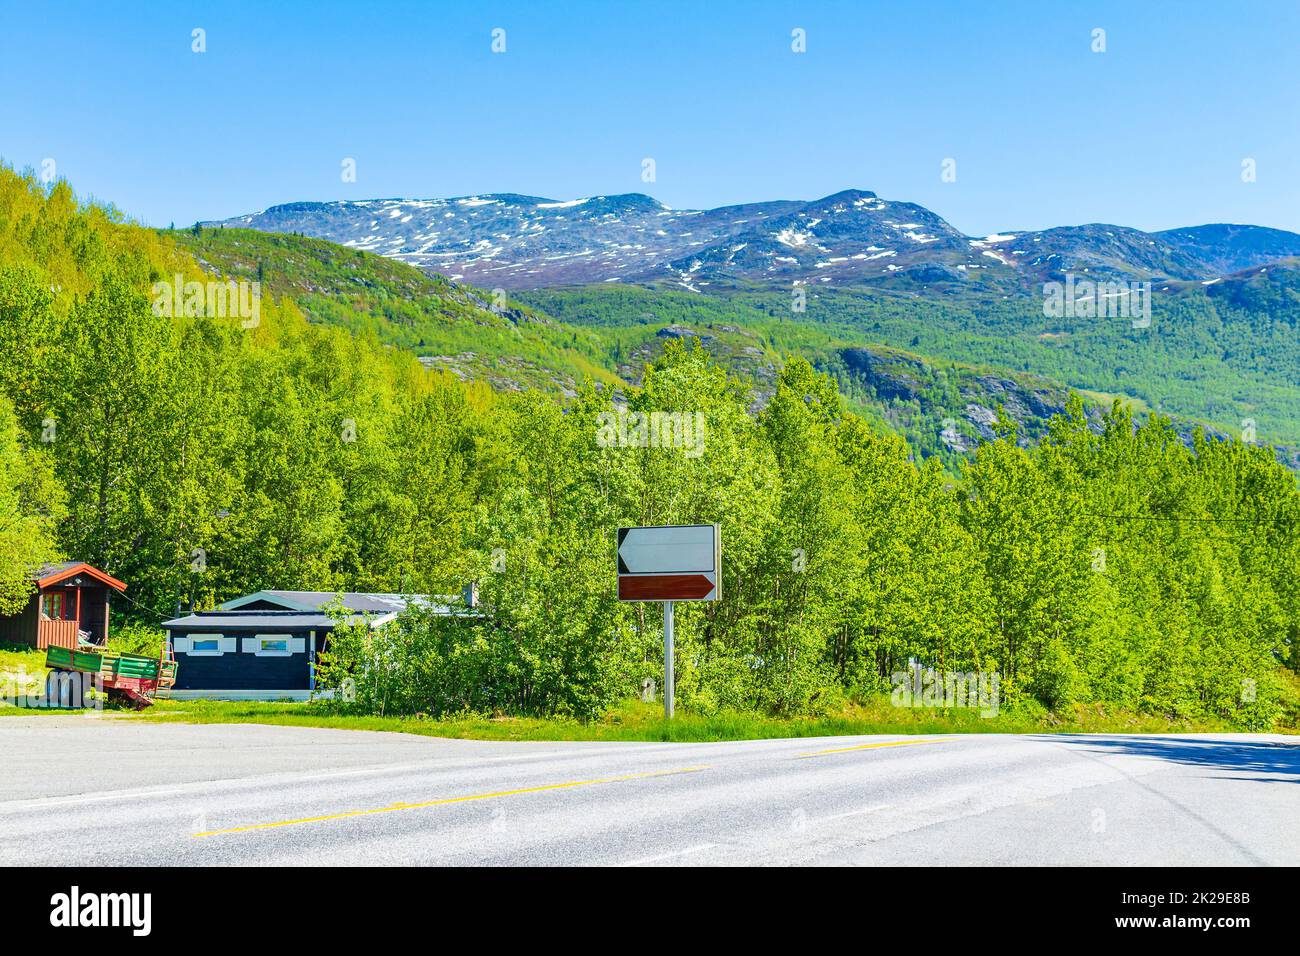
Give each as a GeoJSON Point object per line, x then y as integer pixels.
{"type": "Point", "coordinates": [257, 645]}
{"type": "Point", "coordinates": [185, 645]}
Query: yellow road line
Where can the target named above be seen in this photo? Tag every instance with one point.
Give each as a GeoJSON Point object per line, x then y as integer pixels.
{"type": "Point", "coordinates": [888, 743]}
{"type": "Point", "coordinates": [449, 800]}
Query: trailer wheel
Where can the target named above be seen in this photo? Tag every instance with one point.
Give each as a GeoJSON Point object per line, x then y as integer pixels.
{"type": "Point", "coordinates": [65, 689]}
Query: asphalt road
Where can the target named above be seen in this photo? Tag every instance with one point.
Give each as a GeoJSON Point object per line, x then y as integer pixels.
{"type": "Point", "coordinates": [83, 791]}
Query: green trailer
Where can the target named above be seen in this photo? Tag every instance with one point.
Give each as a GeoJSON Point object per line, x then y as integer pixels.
{"type": "Point", "coordinates": [133, 679]}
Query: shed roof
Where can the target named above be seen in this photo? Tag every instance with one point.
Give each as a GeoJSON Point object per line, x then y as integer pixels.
{"type": "Point", "coordinates": [261, 621]}
{"type": "Point", "coordinates": [361, 601]}
{"type": "Point", "coordinates": [48, 575]}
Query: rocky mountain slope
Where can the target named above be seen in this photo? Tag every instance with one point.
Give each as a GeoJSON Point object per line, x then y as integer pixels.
{"type": "Point", "coordinates": [853, 237]}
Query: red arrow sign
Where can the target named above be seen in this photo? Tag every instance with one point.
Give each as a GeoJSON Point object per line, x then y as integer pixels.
{"type": "Point", "coordinates": [663, 587]}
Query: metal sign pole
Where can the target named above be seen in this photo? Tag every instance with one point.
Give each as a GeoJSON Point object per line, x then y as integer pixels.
{"type": "Point", "coordinates": [667, 564]}
{"type": "Point", "coordinates": [668, 660]}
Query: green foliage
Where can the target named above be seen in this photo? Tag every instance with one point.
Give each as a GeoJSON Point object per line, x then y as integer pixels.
{"type": "Point", "coordinates": [132, 637]}
{"type": "Point", "coordinates": [31, 504]}
{"type": "Point", "coordinates": [1092, 568]}
{"type": "Point", "coordinates": [198, 460]}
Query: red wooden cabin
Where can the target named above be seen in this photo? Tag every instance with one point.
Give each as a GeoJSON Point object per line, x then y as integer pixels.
{"type": "Point", "coordinates": [71, 602]}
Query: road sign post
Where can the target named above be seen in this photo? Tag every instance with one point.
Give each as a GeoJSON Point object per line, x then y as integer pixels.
{"type": "Point", "coordinates": [668, 659]}
{"type": "Point", "coordinates": [668, 564]}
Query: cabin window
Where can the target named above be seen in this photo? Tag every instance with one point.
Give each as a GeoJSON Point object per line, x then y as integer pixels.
{"type": "Point", "coordinates": [205, 644]}
{"type": "Point", "coordinates": [272, 645]}
{"type": "Point", "coordinates": [53, 604]}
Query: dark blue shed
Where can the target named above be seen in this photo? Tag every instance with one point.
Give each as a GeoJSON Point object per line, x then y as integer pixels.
{"type": "Point", "coordinates": [265, 645]}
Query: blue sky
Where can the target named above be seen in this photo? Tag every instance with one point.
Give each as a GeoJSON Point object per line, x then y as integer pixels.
{"type": "Point", "coordinates": [1150, 133]}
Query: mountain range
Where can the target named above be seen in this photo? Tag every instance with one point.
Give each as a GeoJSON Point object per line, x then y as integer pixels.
{"type": "Point", "coordinates": [594, 287]}
{"type": "Point", "coordinates": [851, 238]}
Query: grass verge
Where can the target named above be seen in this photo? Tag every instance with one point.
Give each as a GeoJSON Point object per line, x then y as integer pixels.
{"type": "Point", "coordinates": [633, 720]}
{"type": "Point", "coordinates": [22, 669]}
{"type": "Point", "coordinates": [637, 721]}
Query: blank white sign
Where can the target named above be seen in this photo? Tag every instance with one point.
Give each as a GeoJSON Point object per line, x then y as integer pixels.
{"type": "Point", "coordinates": [679, 549]}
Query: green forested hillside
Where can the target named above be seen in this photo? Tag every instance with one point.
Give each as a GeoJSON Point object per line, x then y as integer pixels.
{"type": "Point", "coordinates": [455, 327]}
{"type": "Point", "coordinates": [198, 459]}
{"type": "Point", "coordinates": [963, 358]}
{"type": "Point", "coordinates": [1218, 354]}
{"type": "Point", "coordinates": [941, 407]}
